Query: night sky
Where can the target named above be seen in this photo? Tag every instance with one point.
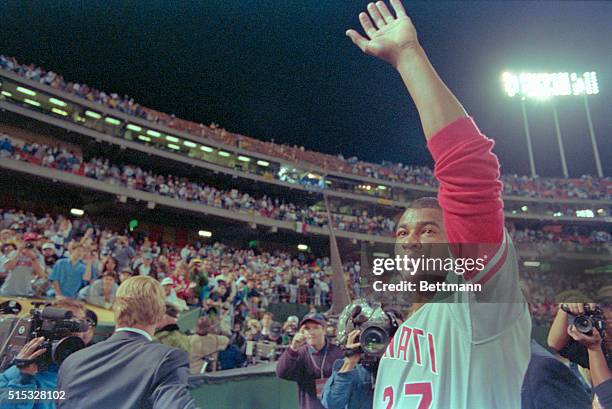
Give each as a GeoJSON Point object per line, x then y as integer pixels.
{"type": "Point", "coordinates": [285, 70]}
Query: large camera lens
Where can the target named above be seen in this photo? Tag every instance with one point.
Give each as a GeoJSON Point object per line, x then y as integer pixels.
{"type": "Point", "coordinates": [65, 347]}
{"type": "Point", "coordinates": [584, 324]}
{"type": "Point", "coordinates": [374, 340]}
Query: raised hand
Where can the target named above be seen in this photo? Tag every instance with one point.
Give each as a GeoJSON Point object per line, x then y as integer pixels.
{"type": "Point", "coordinates": [387, 37]}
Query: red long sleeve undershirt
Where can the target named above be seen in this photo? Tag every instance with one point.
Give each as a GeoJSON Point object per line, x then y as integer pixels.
{"type": "Point", "coordinates": [470, 190]}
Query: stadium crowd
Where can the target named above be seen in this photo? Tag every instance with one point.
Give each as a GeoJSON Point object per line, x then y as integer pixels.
{"type": "Point", "coordinates": [134, 177]}
{"type": "Point", "coordinates": [182, 189]}
{"type": "Point", "coordinates": [586, 187]}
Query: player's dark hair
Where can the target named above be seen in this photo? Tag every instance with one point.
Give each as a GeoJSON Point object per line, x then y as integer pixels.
{"type": "Point", "coordinates": [427, 202]}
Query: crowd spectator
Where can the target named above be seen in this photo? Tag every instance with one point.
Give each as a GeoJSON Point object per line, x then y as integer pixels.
{"type": "Point", "coordinates": [586, 187]}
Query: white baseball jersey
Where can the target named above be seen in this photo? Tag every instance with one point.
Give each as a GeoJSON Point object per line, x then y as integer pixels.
{"type": "Point", "coordinates": [462, 355]}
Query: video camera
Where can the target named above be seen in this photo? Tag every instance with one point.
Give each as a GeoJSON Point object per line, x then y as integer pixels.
{"type": "Point", "coordinates": [376, 326]}
{"type": "Point", "coordinates": [56, 325]}
{"type": "Point", "coordinates": [585, 323]}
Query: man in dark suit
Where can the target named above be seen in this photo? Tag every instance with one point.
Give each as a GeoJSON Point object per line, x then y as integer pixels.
{"type": "Point", "coordinates": [548, 384]}
{"type": "Point", "coordinates": [129, 370]}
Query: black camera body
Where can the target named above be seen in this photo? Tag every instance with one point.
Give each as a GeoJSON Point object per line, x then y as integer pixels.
{"type": "Point", "coordinates": [376, 325]}
{"type": "Point", "coordinates": [591, 319]}
{"type": "Point", "coordinates": [56, 325]}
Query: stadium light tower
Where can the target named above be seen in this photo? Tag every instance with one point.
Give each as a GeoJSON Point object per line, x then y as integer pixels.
{"type": "Point", "coordinates": [544, 86]}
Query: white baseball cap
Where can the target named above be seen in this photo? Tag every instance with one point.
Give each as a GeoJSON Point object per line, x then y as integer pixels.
{"type": "Point", "coordinates": [167, 281]}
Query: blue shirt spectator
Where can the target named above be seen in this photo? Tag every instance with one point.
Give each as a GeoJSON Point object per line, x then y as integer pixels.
{"type": "Point", "coordinates": [348, 390]}
{"type": "Point", "coordinates": [69, 275]}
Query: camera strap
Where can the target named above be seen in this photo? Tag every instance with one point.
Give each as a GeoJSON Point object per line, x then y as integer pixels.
{"type": "Point", "coordinates": [22, 363]}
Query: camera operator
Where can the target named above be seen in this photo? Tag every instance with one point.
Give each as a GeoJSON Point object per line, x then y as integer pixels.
{"type": "Point", "coordinates": [364, 330]}
{"type": "Point", "coordinates": [590, 349]}
{"type": "Point", "coordinates": [350, 386]}
{"type": "Point", "coordinates": [21, 266]}
{"type": "Point", "coordinates": [33, 377]}
{"type": "Point", "coordinates": [309, 360]}
{"type": "Point", "coordinates": [129, 370]}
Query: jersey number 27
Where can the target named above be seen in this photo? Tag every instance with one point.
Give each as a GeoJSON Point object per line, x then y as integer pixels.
{"type": "Point", "coordinates": [414, 388]}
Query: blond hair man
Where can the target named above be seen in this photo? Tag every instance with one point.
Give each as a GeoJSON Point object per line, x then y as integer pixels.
{"type": "Point", "coordinates": [129, 370]}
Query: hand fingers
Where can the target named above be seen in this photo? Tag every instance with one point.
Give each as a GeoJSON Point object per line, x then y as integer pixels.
{"type": "Point", "coordinates": [399, 8]}
{"type": "Point", "coordinates": [38, 353]}
{"type": "Point", "coordinates": [375, 15]}
{"type": "Point", "coordinates": [384, 12]}
{"type": "Point", "coordinates": [357, 39]}
{"type": "Point", "coordinates": [367, 25]}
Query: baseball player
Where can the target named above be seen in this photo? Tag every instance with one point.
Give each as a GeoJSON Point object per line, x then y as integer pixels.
{"type": "Point", "coordinates": [462, 352]}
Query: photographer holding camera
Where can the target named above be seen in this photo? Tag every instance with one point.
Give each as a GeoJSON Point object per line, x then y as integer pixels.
{"type": "Point", "coordinates": [23, 265]}
{"type": "Point", "coordinates": [35, 369]}
{"type": "Point", "coordinates": [350, 386]}
{"type": "Point", "coordinates": [308, 361]}
{"type": "Point", "coordinates": [582, 333]}
{"type": "Point", "coordinates": [364, 330]}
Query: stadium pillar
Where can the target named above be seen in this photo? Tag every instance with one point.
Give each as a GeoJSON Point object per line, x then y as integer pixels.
{"type": "Point", "coordinates": [592, 134]}
{"type": "Point", "coordinates": [559, 140]}
{"type": "Point", "coordinates": [528, 137]}
{"type": "Point", "coordinates": [339, 289]}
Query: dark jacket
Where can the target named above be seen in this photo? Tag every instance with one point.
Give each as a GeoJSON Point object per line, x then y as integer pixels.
{"type": "Point", "coordinates": [299, 367]}
{"type": "Point", "coordinates": [548, 384]}
{"type": "Point", "coordinates": [349, 390]}
{"type": "Point", "coordinates": [604, 393]}
{"type": "Point", "coordinates": [127, 371]}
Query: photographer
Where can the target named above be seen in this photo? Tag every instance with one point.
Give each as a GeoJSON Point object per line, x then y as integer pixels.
{"type": "Point", "coordinates": [590, 349]}
{"type": "Point", "coordinates": [308, 361]}
{"type": "Point", "coordinates": [350, 386]}
{"type": "Point", "coordinates": [21, 266]}
{"type": "Point", "coordinates": [34, 376]}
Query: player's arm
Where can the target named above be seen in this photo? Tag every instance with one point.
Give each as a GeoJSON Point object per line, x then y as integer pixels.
{"type": "Point", "coordinates": [468, 172]}
{"type": "Point", "coordinates": [392, 37]}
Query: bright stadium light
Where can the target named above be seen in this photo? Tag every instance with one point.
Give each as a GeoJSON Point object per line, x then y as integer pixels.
{"type": "Point", "coordinates": [302, 247]}
{"type": "Point", "coordinates": [26, 91]}
{"type": "Point", "coordinates": [59, 112]}
{"type": "Point", "coordinates": [173, 146]}
{"type": "Point", "coordinates": [153, 133]}
{"type": "Point", "coordinates": [204, 233]}
{"type": "Point", "coordinates": [93, 114]}
{"type": "Point", "coordinates": [531, 264]}
{"type": "Point", "coordinates": [32, 102]}
{"type": "Point", "coordinates": [585, 213]}
{"type": "Point", "coordinates": [112, 121]}
{"type": "Point", "coordinates": [144, 138]}
{"type": "Point", "coordinates": [190, 144]}
{"type": "Point", "coordinates": [524, 208]}
{"type": "Point", "coordinates": [134, 128]}
{"type": "Point", "coordinates": [57, 102]}
{"type": "Point", "coordinates": [223, 153]}
{"type": "Point", "coordinates": [207, 149]}
{"type": "Point", "coordinates": [77, 212]}
{"type": "Point", "coordinates": [544, 86]}
{"type": "Point", "coordinates": [7, 94]}
{"type": "Point", "coordinates": [170, 138]}
{"type": "Point", "coordinates": [263, 163]}
{"type": "Point", "coordinates": [244, 158]}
